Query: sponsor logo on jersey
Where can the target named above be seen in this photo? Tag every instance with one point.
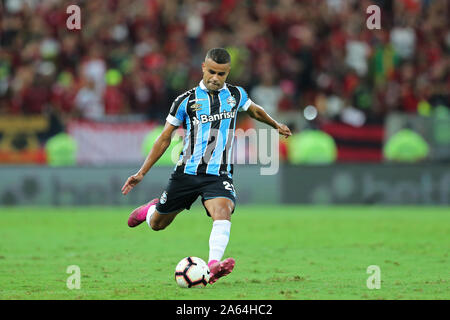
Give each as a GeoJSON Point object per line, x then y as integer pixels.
{"type": "Point", "coordinates": [196, 107]}
{"type": "Point", "coordinates": [204, 118]}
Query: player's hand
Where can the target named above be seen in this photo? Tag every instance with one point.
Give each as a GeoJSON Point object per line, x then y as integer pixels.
{"type": "Point", "coordinates": [131, 182]}
{"type": "Point", "coordinates": [284, 130]}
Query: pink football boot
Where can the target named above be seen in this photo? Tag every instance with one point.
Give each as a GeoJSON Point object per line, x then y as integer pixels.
{"type": "Point", "coordinates": [139, 214]}
{"type": "Point", "coordinates": [220, 269]}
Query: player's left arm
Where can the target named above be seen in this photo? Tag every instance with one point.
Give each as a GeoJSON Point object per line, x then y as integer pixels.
{"type": "Point", "coordinates": [258, 113]}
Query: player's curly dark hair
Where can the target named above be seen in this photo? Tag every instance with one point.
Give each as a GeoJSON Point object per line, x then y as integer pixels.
{"type": "Point", "coordinates": [218, 55]}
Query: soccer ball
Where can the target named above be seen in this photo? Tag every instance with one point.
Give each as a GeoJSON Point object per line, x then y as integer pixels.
{"type": "Point", "coordinates": [192, 272]}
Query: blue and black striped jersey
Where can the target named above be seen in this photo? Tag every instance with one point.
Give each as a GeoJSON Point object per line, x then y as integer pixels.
{"type": "Point", "coordinates": [210, 121]}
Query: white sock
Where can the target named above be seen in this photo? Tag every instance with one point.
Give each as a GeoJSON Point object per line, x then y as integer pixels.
{"type": "Point", "coordinates": [150, 213]}
{"type": "Point", "coordinates": [218, 240]}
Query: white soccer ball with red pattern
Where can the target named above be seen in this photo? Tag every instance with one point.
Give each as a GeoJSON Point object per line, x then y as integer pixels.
{"type": "Point", "coordinates": [192, 272]}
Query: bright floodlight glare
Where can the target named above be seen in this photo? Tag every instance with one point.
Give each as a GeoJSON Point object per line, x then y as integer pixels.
{"type": "Point", "coordinates": [310, 113]}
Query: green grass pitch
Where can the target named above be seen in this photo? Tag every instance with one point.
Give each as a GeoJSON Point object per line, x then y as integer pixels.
{"type": "Point", "coordinates": [281, 252]}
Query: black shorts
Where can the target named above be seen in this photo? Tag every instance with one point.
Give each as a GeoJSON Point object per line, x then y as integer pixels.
{"type": "Point", "coordinates": [183, 189]}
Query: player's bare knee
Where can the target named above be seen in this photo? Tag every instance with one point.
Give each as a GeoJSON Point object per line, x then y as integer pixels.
{"type": "Point", "coordinates": [157, 226]}
{"type": "Point", "coordinates": [222, 213]}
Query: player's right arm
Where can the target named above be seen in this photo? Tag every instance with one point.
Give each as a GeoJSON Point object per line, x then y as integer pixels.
{"type": "Point", "coordinates": [175, 118]}
{"type": "Point", "coordinates": [159, 147]}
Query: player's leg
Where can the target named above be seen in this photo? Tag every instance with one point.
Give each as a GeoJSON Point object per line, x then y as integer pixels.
{"type": "Point", "coordinates": [139, 214]}
{"type": "Point", "coordinates": [158, 221]}
{"type": "Point", "coordinates": [155, 220]}
{"type": "Point", "coordinates": [220, 210]}
{"type": "Point", "coordinates": [159, 213]}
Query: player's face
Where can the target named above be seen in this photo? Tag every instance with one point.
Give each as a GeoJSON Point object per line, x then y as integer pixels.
{"type": "Point", "coordinates": [214, 74]}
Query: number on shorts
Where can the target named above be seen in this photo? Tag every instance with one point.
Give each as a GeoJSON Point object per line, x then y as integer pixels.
{"type": "Point", "coordinates": [229, 186]}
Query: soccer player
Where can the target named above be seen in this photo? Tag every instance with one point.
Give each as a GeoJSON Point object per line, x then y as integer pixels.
{"type": "Point", "coordinates": [208, 112]}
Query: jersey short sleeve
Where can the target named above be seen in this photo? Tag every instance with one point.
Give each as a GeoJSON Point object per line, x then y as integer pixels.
{"type": "Point", "coordinates": [177, 113]}
{"type": "Point", "coordinates": [245, 102]}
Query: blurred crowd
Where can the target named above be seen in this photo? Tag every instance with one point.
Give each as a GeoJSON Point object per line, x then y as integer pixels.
{"type": "Point", "coordinates": [135, 57]}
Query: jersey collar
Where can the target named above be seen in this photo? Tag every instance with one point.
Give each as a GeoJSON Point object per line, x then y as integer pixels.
{"type": "Point", "coordinates": [203, 87]}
